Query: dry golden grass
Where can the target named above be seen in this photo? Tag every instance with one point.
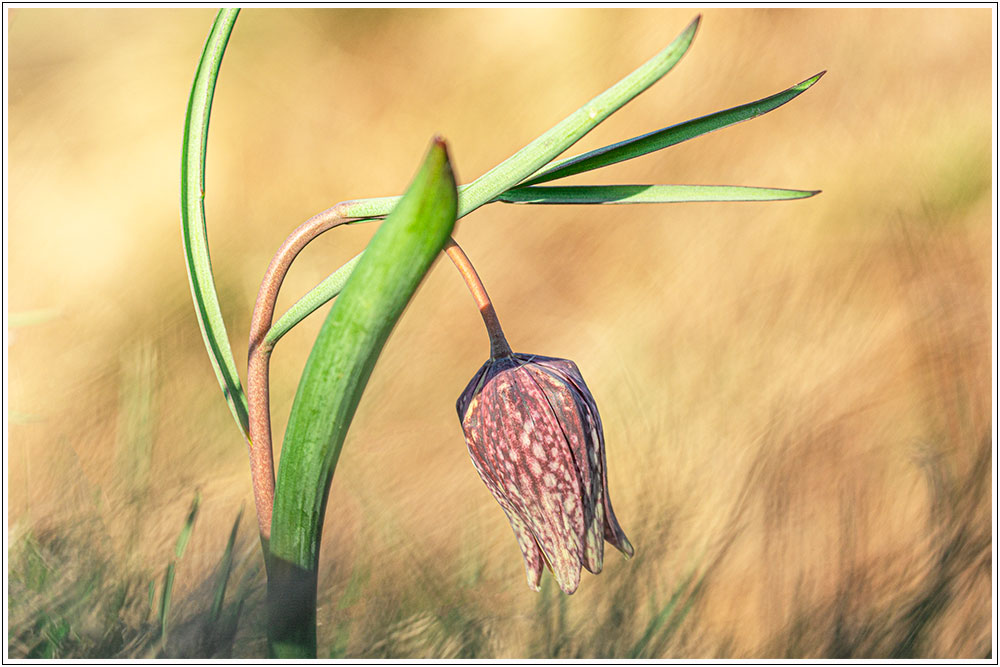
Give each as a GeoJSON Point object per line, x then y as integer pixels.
{"type": "Point", "coordinates": [796, 395]}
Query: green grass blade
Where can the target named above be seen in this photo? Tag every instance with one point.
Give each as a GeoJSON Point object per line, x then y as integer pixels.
{"type": "Point", "coordinates": [645, 194]}
{"type": "Point", "coordinates": [185, 533]}
{"type": "Point", "coordinates": [669, 136]}
{"type": "Point", "coordinates": [654, 625]}
{"type": "Point", "coordinates": [168, 577]}
{"type": "Point", "coordinates": [165, 595]}
{"type": "Point", "coordinates": [194, 232]}
{"type": "Point", "coordinates": [225, 568]}
{"type": "Point", "coordinates": [335, 375]}
{"type": "Point", "coordinates": [659, 645]}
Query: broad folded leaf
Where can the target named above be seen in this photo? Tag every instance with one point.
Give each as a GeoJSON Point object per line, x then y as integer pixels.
{"type": "Point", "coordinates": [348, 344]}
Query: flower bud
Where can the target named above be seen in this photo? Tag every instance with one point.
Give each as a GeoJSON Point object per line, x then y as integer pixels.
{"type": "Point", "coordinates": [535, 437]}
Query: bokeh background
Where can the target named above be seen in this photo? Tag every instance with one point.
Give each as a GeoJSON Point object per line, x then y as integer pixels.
{"type": "Point", "coordinates": [796, 395]}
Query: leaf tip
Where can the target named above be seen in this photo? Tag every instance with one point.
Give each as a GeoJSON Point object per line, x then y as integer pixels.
{"type": "Point", "coordinates": [811, 80]}
{"type": "Point", "coordinates": [692, 27]}
{"type": "Point", "coordinates": [439, 149]}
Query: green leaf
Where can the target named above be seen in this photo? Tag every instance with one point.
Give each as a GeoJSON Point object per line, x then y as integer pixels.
{"type": "Point", "coordinates": [645, 194]}
{"type": "Point", "coordinates": [669, 136]}
{"type": "Point", "coordinates": [316, 297]}
{"type": "Point", "coordinates": [351, 340]}
{"type": "Point", "coordinates": [225, 568]}
{"type": "Point", "coordinates": [194, 232]}
{"type": "Point", "coordinates": [508, 173]}
{"type": "Point", "coordinates": [655, 628]}
{"type": "Point", "coordinates": [529, 159]}
{"type": "Point", "coordinates": [168, 577]}
{"type": "Point", "coordinates": [335, 375]}
{"type": "Point", "coordinates": [185, 534]}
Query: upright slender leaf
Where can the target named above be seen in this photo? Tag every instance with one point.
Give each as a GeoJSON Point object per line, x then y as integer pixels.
{"type": "Point", "coordinates": [195, 234]}
{"type": "Point", "coordinates": [669, 136]}
{"type": "Point", "coordinates": [225, 568]}
{"type": "Point", "coordinates": [168, 577]}
{"type": "Point", "coordinates": [341, 361]}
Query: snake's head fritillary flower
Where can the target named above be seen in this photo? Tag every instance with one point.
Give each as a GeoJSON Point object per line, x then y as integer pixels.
{"type": "Point", "coordinates": [535, 437]}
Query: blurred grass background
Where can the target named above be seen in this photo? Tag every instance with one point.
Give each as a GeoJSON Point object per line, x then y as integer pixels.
{"type": "Point", "coordinates": [796, 395]}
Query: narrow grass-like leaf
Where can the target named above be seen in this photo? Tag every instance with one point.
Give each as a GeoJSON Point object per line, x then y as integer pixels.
{"type": "Point", "coordinates": [316, 297]}
{"type": "Point", "coordinates": [194, 232]}
{"type": "Point", "coordinates": [645, 194]}
{"type": "Point", "coordinates": [659, 644]}
{"type": "Point", "coordinates": [669, 136]}
{"type": "Point", "coordinates": [168, 577]}
{"type": "Point", "coordinates": [335, 375]}
{"type": "Point", "coordinates": [185, 533]}
{"type": "Point", "coordinates": [165, 595]}
{"type": "Point", "coordinates": [225, 567]}
{"type": "Point", "coordinates": [657, 622]}
{"type": "Point", "coordinates": [508, 173]}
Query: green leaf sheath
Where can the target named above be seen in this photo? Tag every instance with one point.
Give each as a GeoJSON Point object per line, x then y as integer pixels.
{"type": "Point", "coordinates": [335, 375]}
{"type": "Point", "coordinates": [194, 232]}
{"type": "Point", "coordinates": [398, 256]}
{"type": "Point", "coordinates": [670, 136]}
{"type": "Point", "coordinates": [508, 173]}
{"type": "Point", "coordinates": [646, 194]}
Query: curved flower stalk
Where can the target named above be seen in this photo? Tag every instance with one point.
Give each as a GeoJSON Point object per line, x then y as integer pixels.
{"type": "Point", "coordinates": [534, 435]}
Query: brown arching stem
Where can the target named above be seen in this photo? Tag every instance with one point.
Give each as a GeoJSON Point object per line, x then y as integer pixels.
{"type": "Point", "coordinates": [498, 342]}
{"type": "Point", "coordinates": [259, 358]}
{"type": "Point", "coordinates": [259, 352]}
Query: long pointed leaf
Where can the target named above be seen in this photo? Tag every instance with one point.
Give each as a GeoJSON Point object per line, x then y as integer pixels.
{"type": "Point", "coordinates": [199, 264]}
{"type": "Point", "coordinates": [645, 194]}
{"type": "Point", "coordinates": [535, 155]}
{"type": "Point", "coordinates": [669, 136]}
{"type": "Point", "coordinates": [341, 361]}
{"type": "Point", "coordinates": [511, 171]}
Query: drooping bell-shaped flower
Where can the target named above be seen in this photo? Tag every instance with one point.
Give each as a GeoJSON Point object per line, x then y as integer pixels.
{"type": "Point", "coordinates": [535, 436]}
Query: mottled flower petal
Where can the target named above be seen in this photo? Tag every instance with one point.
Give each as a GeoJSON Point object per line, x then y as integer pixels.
{"type": "Point", "coordinates": [553, 376]}
{"type": "Point", "coordinates": [533, 562]}
{"type": "Point", "coordinates": [613, 532]}
{"type": "Point", "coordinates": [534, 436]}
{"type": "Point", "coordinates": [534, 469]}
